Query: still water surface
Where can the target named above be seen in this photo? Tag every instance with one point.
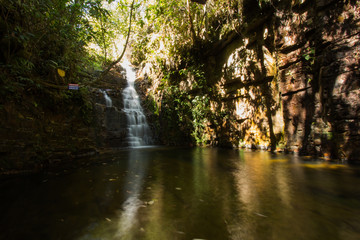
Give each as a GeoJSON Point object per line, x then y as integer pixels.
{"type": "Point", "coordinates": [171, 193]}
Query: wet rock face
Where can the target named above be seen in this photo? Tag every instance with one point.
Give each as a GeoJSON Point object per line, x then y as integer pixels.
{"type": "Point", "coordinates": [319, 79]}
{"type": "Point", "coordinates": [111, 122]}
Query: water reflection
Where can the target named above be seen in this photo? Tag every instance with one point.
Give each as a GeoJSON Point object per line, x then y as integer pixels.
{"type": "Point", "coordinates": [294, 200]}
{"type": "Point", "coordinates": [262, 186]}
{"type": "Point", "coordinates": [161, 193]}
{"type": "Point", "coordinates": [124, 224]}
{"type": "Point", "coordinates": [137, 168]}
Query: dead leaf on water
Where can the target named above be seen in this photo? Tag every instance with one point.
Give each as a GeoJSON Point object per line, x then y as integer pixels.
{"type": "Point", "coordinates": [261, 215]}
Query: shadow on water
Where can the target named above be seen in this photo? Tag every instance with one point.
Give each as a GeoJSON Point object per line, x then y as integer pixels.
{"type": "Point", "coordinates": [174, 193]}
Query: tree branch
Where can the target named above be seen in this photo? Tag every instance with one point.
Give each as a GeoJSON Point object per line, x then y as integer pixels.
{"type": "Point", "coordinates": [107, 70]}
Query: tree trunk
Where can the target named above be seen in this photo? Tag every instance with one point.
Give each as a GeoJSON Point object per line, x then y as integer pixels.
{"type": "Point", "coordinates": [191, 24]}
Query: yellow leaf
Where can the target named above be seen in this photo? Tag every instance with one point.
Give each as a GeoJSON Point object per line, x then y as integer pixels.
{"type": "Point", "coordinates": [341, 19]}
{"type": "Point", "coordinates": [61, 72]}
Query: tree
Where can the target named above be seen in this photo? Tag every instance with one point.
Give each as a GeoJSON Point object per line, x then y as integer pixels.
{"type": "Point", "coordinates": [111, 65]}
{"type": "Point", "coordinates": [48, 34]}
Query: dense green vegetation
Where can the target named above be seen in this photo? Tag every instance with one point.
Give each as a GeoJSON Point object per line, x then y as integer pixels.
{"type": "Point", "coordinates": [186, 44]}
{"type": "Point", "coordinates": [47, 44]}
{"type": "Point", "coordinates": [254, 73]}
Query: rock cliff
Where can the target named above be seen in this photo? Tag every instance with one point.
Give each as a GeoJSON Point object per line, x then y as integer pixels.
{"type": "Point", "coordinates": [286, 79]}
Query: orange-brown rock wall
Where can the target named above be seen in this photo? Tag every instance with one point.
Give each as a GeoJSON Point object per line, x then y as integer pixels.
{"type": "Point", "coordinates": [318, 48]}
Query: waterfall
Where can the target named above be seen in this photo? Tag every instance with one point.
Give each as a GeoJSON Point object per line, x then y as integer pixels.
{"type": "Point", "coordinates": [108, 100]}
{"type": "Point", "coordinates": [138, 129]}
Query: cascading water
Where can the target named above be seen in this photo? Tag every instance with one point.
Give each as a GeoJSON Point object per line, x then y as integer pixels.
{"type": "Point", "coordinates": [138, 129]}
{"type": "Point", "coordinates": [108, 100]}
